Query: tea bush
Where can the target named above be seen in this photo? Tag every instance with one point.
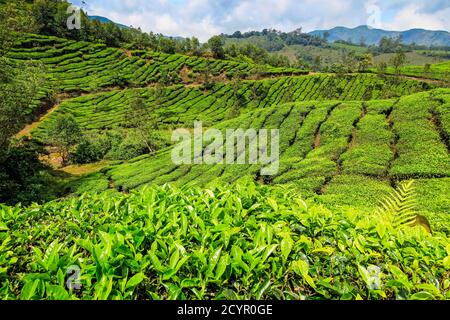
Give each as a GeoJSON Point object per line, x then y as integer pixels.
{"type": "Point", "coordinates": [243, 242]}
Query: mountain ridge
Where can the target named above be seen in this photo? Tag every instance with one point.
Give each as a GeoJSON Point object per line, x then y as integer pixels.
{"type": "Point", "coordinates": [373, 35]}
{"type": "Point", "coordinates": [107, 20]}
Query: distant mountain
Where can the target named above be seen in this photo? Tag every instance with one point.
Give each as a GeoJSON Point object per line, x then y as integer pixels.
{"type": "Point", "coordinates": [106, 20]}
{"type": "Point", "coordinates": [373, 36]}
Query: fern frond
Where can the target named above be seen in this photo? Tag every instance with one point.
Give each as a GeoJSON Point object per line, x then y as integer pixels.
{"type": "Point", "coordinates": [400, 207]}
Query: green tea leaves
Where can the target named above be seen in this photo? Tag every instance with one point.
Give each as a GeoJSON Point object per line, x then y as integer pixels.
{"type": "Point", "coordinates": [213, 251]}
{"type": "Point", "coordinates": [301, 268]}
{"type": "Point", "coordinates": [135, 280]}
{"type": "Point", "coordinates": [286, 246]}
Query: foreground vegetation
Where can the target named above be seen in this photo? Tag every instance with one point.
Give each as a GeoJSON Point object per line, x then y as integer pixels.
{"type": "Point", "coordinates": [241, 242]}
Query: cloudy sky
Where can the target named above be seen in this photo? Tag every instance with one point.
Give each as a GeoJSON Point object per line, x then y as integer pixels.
{"type": "Point", "coordinates": [204, 18]}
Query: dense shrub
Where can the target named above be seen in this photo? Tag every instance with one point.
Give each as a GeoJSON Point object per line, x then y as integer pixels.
{"type": "Point", "coordinates": [166, 243]}
{"type": "Point", "coordinates": [129, 147]}
{"type": "Point", "coordinates": [23, 177]}
{"type": "Point", "coordinates": [91, 149]}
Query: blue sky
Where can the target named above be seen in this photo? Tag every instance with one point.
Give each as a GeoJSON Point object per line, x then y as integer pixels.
{"type": "Point", "coordinates": [204, 18]}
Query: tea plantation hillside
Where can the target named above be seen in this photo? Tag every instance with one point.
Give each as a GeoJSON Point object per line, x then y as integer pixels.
{"type": "Point", "coordinates": [181, 105]}
{"type": "Point", "coordinates": [437, 71]}
{"type": "Point", "coordinates": [341, 153]}
{"type": "Point", "coordinates": [84, 66]}
{"type": "Point", "coordinates": [346, 140]}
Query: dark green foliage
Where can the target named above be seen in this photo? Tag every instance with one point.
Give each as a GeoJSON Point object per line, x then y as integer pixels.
{"type": "Point", "coordinates": [65, 133]}
{"type": "Point", "coordinates": [19, 84]}
{"type": "Point", "coordinates": [216, 44]}
{"type": "Point", "coordinates": [23, 177]}
{"type": "Point", "coordinates": [91, 149]}
{"type": "Point", "coordinates": [273, 40]}
{"type": "Point", "coordinates": [131, 146]}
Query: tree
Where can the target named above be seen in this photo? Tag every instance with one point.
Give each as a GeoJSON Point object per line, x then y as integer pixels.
{"type": "Point", "coordinates": [339, 69]}
{"type": "Point", "coordinates": [232, 50]}
{"type": "Point", "coordinates": [23, 178]}
{"type": "Point", "coordinates": [195, 46]}
{"type": "Point", "coordinates": [208, 81]}
{"type": "Point", "coordinates": [237, 35]}
{"type": "Point", "coordinates": [45, 11]}
{"type": "Point", "coordinates": [18, 17]}
{"type": "Point", "coordinates": [5, 42]}
{"type": "Point", "coordinates": [390, 45]}
{"type": "Point", "coordinates": [381, 68]}
{"type": "Point", "coordinates": [65, 133]}
{"type": "Point", "coordinates": [398, 61]}
{"type": "Point", "coordinates": [112, 34]}
{"type": "Point", "coordinates": [18, 86]}
{"type": "Point", "coordinates": [365, 62]}
{"type": "Point", "coordinates": [142, 117]}
{"type": "Point", "coordinates": [216, 44]}
{"type": "Point", "coordinates": [349, 60]}
{"type": "Point", "coordinates": [166, 45]}
{"type": "Point", "coordinates": [317, 63]}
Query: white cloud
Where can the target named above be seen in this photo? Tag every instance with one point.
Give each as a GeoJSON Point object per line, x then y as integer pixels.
{"type": "Point", "coordinates": [204, 18]}
{"type": "Point", "coordinates": [412, 16]}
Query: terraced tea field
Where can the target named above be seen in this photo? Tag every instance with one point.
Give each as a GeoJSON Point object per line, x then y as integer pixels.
{"type": "Point", "coordinates": [180, 105]}
{"type": "Point", "coordinates": [338, 134]}
{"type": "Point", "coordinates": [437, 71]}
{"type": "Point", "coordinates": [340, 153]}
{"type": "Point", "coordinates": [83, 66]}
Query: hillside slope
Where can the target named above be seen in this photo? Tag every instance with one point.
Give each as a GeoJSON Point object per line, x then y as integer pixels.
{"type": "Point", "coordinates": [75, 66]}
{"type": "Point", "coordinates": [338, 153]}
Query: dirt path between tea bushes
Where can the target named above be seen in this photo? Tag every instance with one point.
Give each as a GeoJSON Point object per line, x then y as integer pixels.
{"type": "Point", "coordinates": [30, 127]}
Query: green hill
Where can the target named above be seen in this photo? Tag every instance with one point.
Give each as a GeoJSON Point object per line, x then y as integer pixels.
{"type": "Point", "coordinates": [437, 71]}
{"type": "Point", "coordinates": [83, 66]}
{"type": "Point", "coordinates": [106, 20]}
{"type": "Point", "coordinates": [180, 105]}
